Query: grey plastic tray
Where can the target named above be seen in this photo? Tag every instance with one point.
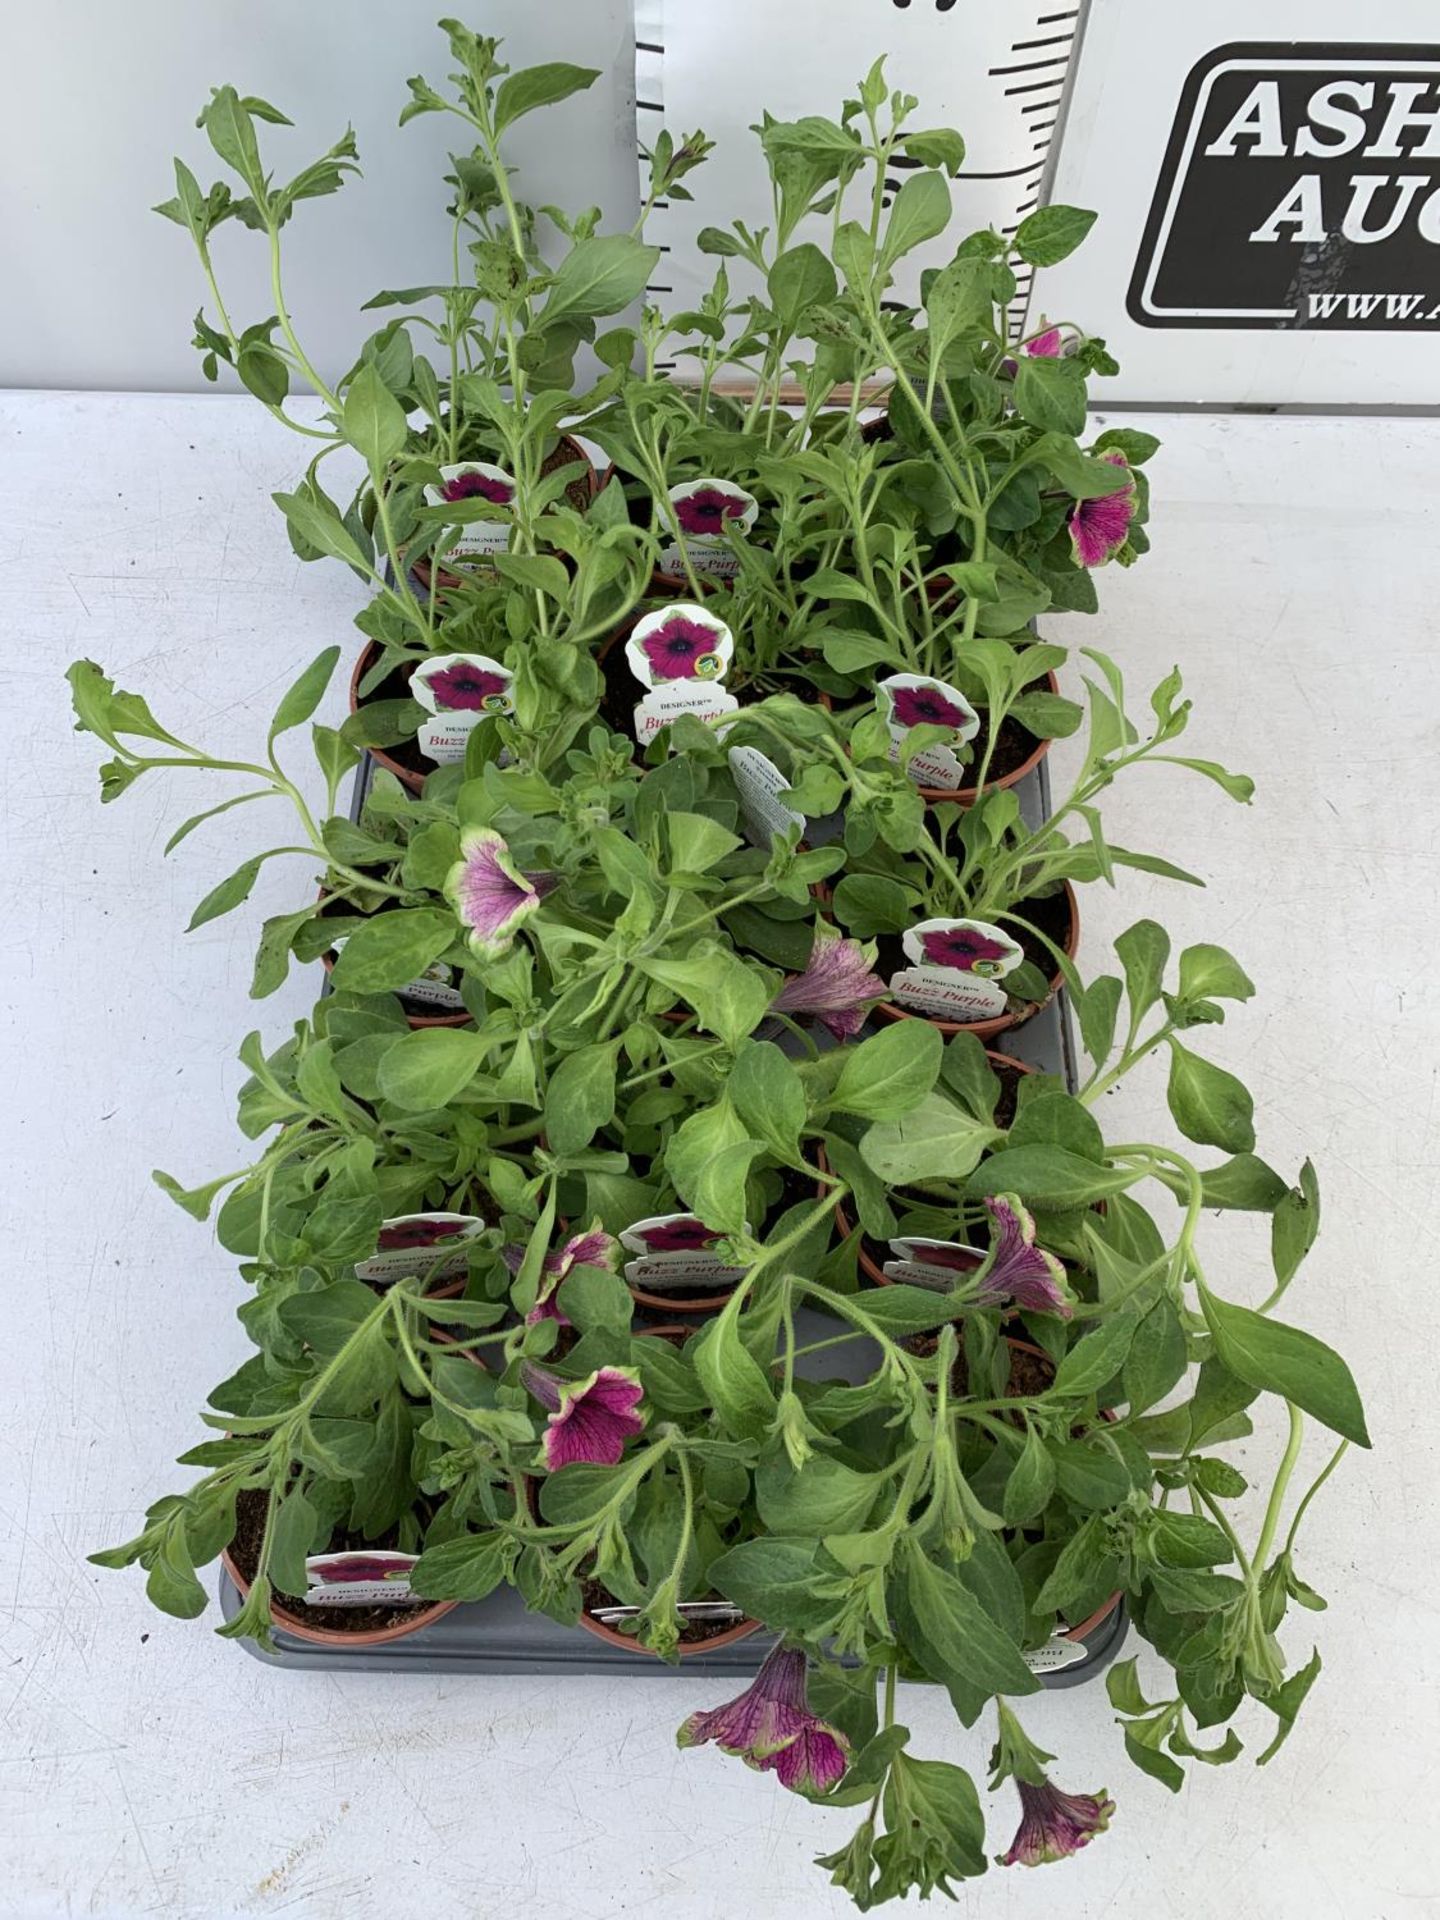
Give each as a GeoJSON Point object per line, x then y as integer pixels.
{"type": "Point", "coordinates": [498, 1636]}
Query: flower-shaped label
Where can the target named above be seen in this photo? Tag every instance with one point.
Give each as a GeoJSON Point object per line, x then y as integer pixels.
{"type": "Point", "coordinates": [759, 783]}
{"type": "Point", "coordinates": [675, 1251]}
{"type": "Point", "coordinates": [937, 1264]}
{"type": "Point", "coordinates": [484, 496]}
{"type": "Point", "coordinates": [915, 700]}
{"type": "Point", "coordinates": [957, 970]}
{"type": "Point", "coordinates": [705, 512]}
{"type": "Point", "coordinates": [435, 1245]}
{"type": "Point", "coordinates": [459, 690]}
{"type": "Point", "coordinates": [681, 653]}
{"type": "Point", "coordinates": [367, 1577]}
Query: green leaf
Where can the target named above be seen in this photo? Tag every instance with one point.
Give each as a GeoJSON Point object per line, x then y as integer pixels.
{"type": "Point", "coordinates": [392, 949]}
{"type": "Point", "coordinates": [921, 211]}
{"type": "Point", "coordinates": [959, 1636]}
{"type": "Point", "coordinates": [1274, 1358]}
{"type": "Point", "coordinates": [1242, 1183]}
{"type": "Point", "coordinates": [1137, 447]}
{"type": "Point", "coordinates": [1096, 1009]}
{"type": "Point", "coordinates": [172, 1585]}
{"type": "Point", "coordinates": [228, 895]}
{"type": "Point", "coordinates": [1150, 1760]}
{"type": "Point", "coordinates": [1295, 1225]}
{"type": "Point", "coordinates": [1047, 1178]}
{"type": "Point", "coordinates": [373, 420]}
{"type": "Point", "coordinates": [1208, 1104]}
{"type": "Point", "coordinates": [600, 275]}
{"type": "Point", "coordinates": [1157, 1357]}
{"type": "Point", "coordinates": [1210, 973]}
{"type": "Point", "coordinates": [766, 1092]}
{"type": "Point", "coordinates": [468, 1568]}
{"type": "Point", "coordinates": [263, 372]}
{"type": "Point", "coordinates": [1239, 786]}
{"type": "Point", "coordinates": [430, 1068]}
{"type": "Point", "coordinates": [739, 1388]}
{"type": "Point", "coordinates": [729, 998]}
{"type": "Point", "coordinates": [869, 903]}
{"type": "Point", "coordinates": [801, 278]}
{"type": "Point", "coordinates": [1144, 951]}
{"type": "Point", "coordinates": [581, 1096]}
{"type": "Point", "coordinates": [328, 1317]}
{"type": "Point", "coordinates": [306, 694]}
{"type": "Point", "coordinates": [1050, 234]}
{"type": "Point", "coordinates": [889, 1074]}
{"type": "Point", "coordinates": [544, 86]}
{"type": "Point", "coordinates": [320, 528]}
{"type": "Point", "coordinates": [1031, 1482]}
{"type": "Point", "coordinates": [1059, 1120]}
{"type": "Point", "coordinates": [1097, 1358]}
{"type": "Point", "coordinates": [541, 572]}
{"type": "Point", "coordinates": [697, 843]}
{"type": "Point", "coordinates": [824, 1496]}
{"type": "Point", "coordinates": [1090, 1476]}
{"type": "Point", "coordinates": [1051, 394]}
{"type": "Point", "coordinates": [938, 1140]}
{"type": "Point", "coordinates": [1285, 1702]}
{"type": "Point", "coordinates": [773, 1579]}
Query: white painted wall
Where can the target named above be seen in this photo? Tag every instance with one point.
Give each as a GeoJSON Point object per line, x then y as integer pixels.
{"type": "Point", "coordinates": [98, 292]}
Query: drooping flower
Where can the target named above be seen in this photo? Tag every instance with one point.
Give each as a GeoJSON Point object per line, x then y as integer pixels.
{"type": "Point", "coordinates": [940, 1253]}
{"type": "Point", "coordinates": [771, 1728]}
{"type": "Point", "coordinates": [490, 894]}
{"type": "Point", "coordinates": [467, 689]}
{"type": "Point", "coordinates": [704, 512]}
{"type": "Point", "coordinates": [1045, 346]}
{"type": "Point", "coordinates": [965, 949]}
{"type": "Point", "coordinates": [474, 485]}
{"type": "Point", "coordinates": [589, 1420]}
{"type": "Point", "coordinates": [680, 1236]}
{"type": "Point", "coordinates": [1099, 528]}
{"type": "Point", "coordinates": [836, 986]}
{"type": "Point", "coordinates": [925, 706]}
{"type": "Point", "coordinates": [592, 1249]}
{"type": "Point", "coordinates": [681, 649]}
{"type": "Point", "coordinates": [1055, 1825]}
{"type": "Point", "coordinates": [1020, 1271]}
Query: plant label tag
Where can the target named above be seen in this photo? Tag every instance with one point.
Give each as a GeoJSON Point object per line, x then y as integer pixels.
{"type": "Point", "coordinates": [703, 510]}
{"type": "Point", "coordinates": [760, 783]}
{"type": "Point", "coordinates": [435, 990]}
{"type": "Point", "coordinates": [682, 643]}
{"type": "Point", "coordinates": [1056, 1653]}
{"type": "Point", "coordinates": [479, 481]}
{"type": "Point", "coordinates": [946, 994]}
{"type": "Point", "coordinates": [434, 1245]}
{"type": "Point", "coordinates": [913, 700]}
{"type": "Point", "coordinates": [676, 1250]}
{"type": "Point", "coordinates": [936, 1264]}
{"type": "Point", "coordinates": [368, 1577]}
{"type": "Point", "coordinates": [660, 708]}
{"type": "Point", "coordinates": [458, 690]}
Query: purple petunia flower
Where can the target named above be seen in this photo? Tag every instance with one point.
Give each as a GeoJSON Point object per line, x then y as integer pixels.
{"type": "Point", "coordinates": [963, 949]}
{"type": "Point", "coordinates": [680, 1236]}
{"type": "Point", "coordinates": [1020, 1271]}
{"type": "Point", "coordinates": [836, 986]}
{"type": "Point", "coordinates": [674, 649]}
{"type": "Point", "coordinates": [474, 485]}
{"type": "Point", "coordinates": [771, 1728]}
{"type": "Point", "coordinates": [489, 893]}
{"type": "Point", "coordinates": [1045, 346]}
{"type": "Point", "coordinates": [937, 1253]}
{"type": "Point", "coordinates": [925, 706]}
{"type": "Point", "coordinates": [465, 689]}
{"type": "Point", "coordinates": [1055, 1825]}
{"type": "Point", "coordinates": [1099, 528]}
{"type": "Point", "coordinates": [704, 512]}
{"type": "Point", "coordinates": [589, 1420]}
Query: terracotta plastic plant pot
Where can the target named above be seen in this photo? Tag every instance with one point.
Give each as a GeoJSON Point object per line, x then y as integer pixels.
{"type": "Point", "coordinates": [1002, 1023]}
{"type": "Point", "coordinates": [869, 1265]}
{"type": "Point", "coordinates": [580, 492]}
{"type": "Point", "coordinates": [415, 1618]}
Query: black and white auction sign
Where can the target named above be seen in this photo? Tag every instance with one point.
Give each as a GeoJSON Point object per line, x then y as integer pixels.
{"type": "Point", "coordinates": [998, 72]}
{"type": "Point", "coordinates": [1269, 206]}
